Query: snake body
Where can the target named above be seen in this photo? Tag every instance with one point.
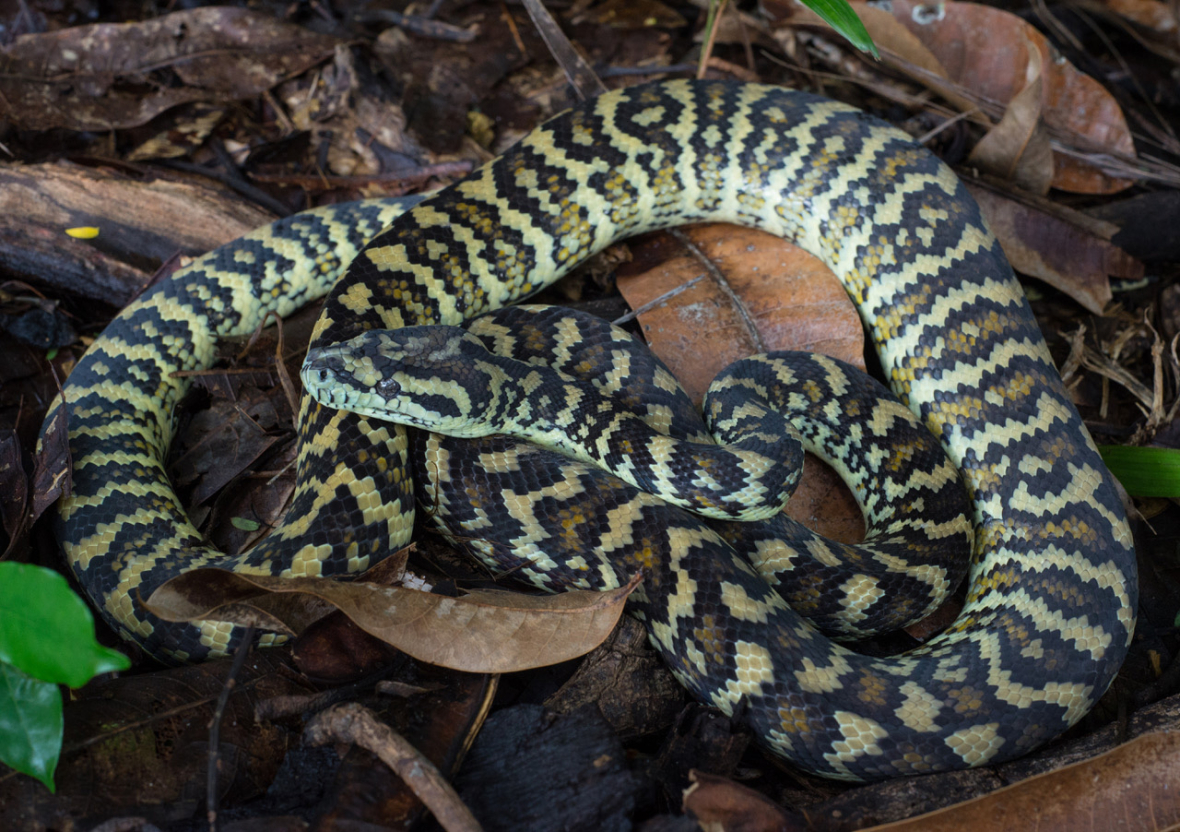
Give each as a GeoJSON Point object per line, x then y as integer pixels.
{"type": "Point", "coordinates": [1050, 607]}
{"type": "Point", "coordinates": [445, 379]}
{"type": "Point", "coordinates": [573, 383]}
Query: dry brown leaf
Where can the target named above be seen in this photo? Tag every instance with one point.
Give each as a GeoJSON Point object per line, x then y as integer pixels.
{"type": "Point", "coordinates": [896, 41]}
{"type": "Point", "coordinates": [1130, 788]}
{"type": "Point", "coordinates": [481, 632]}
{"type": "Point", "coordinates": [823, 503]}
{"type": "Point", "coordinates": [986, 50]}
{"type": "Point", "coordinates": [720, 803]}
{"type": "Point", "coordinates": [791, 300]}
{"type": "Point", "coordinates": [105, 76]}
{"type": "Point", "coordinates": [53, 471]}
{"type": "Point", "coordinates": [226, 442]}
{"type": "Point", "coordinates": [1068, 256]}
{"type": "Point", "coordinates": [1017, 149]}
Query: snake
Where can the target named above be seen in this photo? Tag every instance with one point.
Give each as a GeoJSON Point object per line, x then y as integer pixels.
{"type": "Point", "coordinates": [1052, 588]}
{"type": "Point", "coordinates": [573, 383]}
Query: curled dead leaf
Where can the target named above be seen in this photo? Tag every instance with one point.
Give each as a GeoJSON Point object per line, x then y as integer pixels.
{"type": "Point", "coordinates": [990, 53]}
{"type": "Point", "coordinates": [1040, 239]}
{"type": "Point", "coordinates": [720, 803]}
{"type": "Point", "coordinates": [1018, 149]}
{"type": "Point", "coordinates": [905, 51]}
{"type": "Point", "coordinates": [756, 293]}
{"type": "Point", "coordinates": [483, 631]}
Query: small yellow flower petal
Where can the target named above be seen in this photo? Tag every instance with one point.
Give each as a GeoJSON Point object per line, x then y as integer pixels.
{"type": "Point", "coordinates": [83, 232]}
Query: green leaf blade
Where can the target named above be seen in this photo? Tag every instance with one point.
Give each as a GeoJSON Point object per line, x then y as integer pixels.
{"type": "Point", "coordinates": [31, 724]}
{"type": "Point", "coordinates": [1144, 472]}
{"type": "Point", "coordinates": [840, 16]}
{"type": "Point", "coordinates": [47, 631]}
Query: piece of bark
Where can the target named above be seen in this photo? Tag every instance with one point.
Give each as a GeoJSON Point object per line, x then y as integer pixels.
{"type": "Point", "coordinates": [702, 739]}
{"type": "Point", "coordinates": [533, 770]}
{"type": "Point", "coordinates": [140, 225]}
{"type": "Point", "coordinates": [627, 681]}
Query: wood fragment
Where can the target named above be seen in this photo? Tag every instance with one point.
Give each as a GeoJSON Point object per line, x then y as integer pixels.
{"type": "Point", "coordinates": [353, 723]}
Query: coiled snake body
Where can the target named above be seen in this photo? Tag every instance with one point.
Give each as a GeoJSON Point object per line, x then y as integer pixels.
{"type": "Point", "coordinates": [1050, 609]}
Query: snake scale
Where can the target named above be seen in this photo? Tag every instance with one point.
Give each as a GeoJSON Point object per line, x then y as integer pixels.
{"type": "Point", "coordinates": [1052, 595]}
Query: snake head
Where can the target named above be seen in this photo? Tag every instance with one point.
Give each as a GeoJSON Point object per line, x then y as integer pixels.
{"type": "Point", "coordinates": [431, 377]}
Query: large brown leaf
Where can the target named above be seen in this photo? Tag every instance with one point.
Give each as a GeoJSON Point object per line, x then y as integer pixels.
{"type": "Point", "coordinates": [1068, 250]}
{"type": "Point", "coordinates": [481, 632]}
{"type": "Point", "coordinates": [754, 292]}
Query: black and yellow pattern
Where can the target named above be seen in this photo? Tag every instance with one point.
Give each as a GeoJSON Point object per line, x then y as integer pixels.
{"type": "Point", "coordinates": [1051, 606]}
{"type": "Point", "coordinates": [575, 384]}
{"type": "Point", "coordinates": [445, 379]}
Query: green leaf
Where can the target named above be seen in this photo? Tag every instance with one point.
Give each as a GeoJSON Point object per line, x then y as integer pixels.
{"type": "Point", "coordinates": [30, 724]}
{"type": "Point", "coordinates": [245, 524]}
{"type": "Point", "coordinates": [1144, 472]}
{"type": "Point", "coordinates": [47, 631]}
{"type": "Point", "coordinates": [840, 16]}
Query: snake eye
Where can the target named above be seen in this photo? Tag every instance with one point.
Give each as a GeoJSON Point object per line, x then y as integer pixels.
{"type": "Point", "coordinates": [324, 376]}
{"type": "Point", "coordinates": [388, 388]}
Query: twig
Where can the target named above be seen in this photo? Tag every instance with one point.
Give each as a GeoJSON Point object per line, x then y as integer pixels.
{"type": "Point", "coordinates": [511, 21]}
{"type": "Point", "coordinates": [712, 24]}
{"type": "Point", "coordinates": [215, 726]}
{"type": "Point", "coordinates": [358, 725]}
{"type": "Point", "coordinates": [658, 301]}
{"type": "Point", "coordinates": [722, 284]}
{"type": "Point", "coordinates": [925, 137]}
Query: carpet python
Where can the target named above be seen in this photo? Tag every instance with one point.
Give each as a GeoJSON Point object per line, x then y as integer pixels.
{"type": "Point", "coordinates": [575, 384]}
{"type": "Point", "coordinates": [1052, 595]}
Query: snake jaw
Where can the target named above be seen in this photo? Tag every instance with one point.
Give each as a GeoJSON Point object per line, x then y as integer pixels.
{"type": "Point", "coordinates": [336, 378]}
